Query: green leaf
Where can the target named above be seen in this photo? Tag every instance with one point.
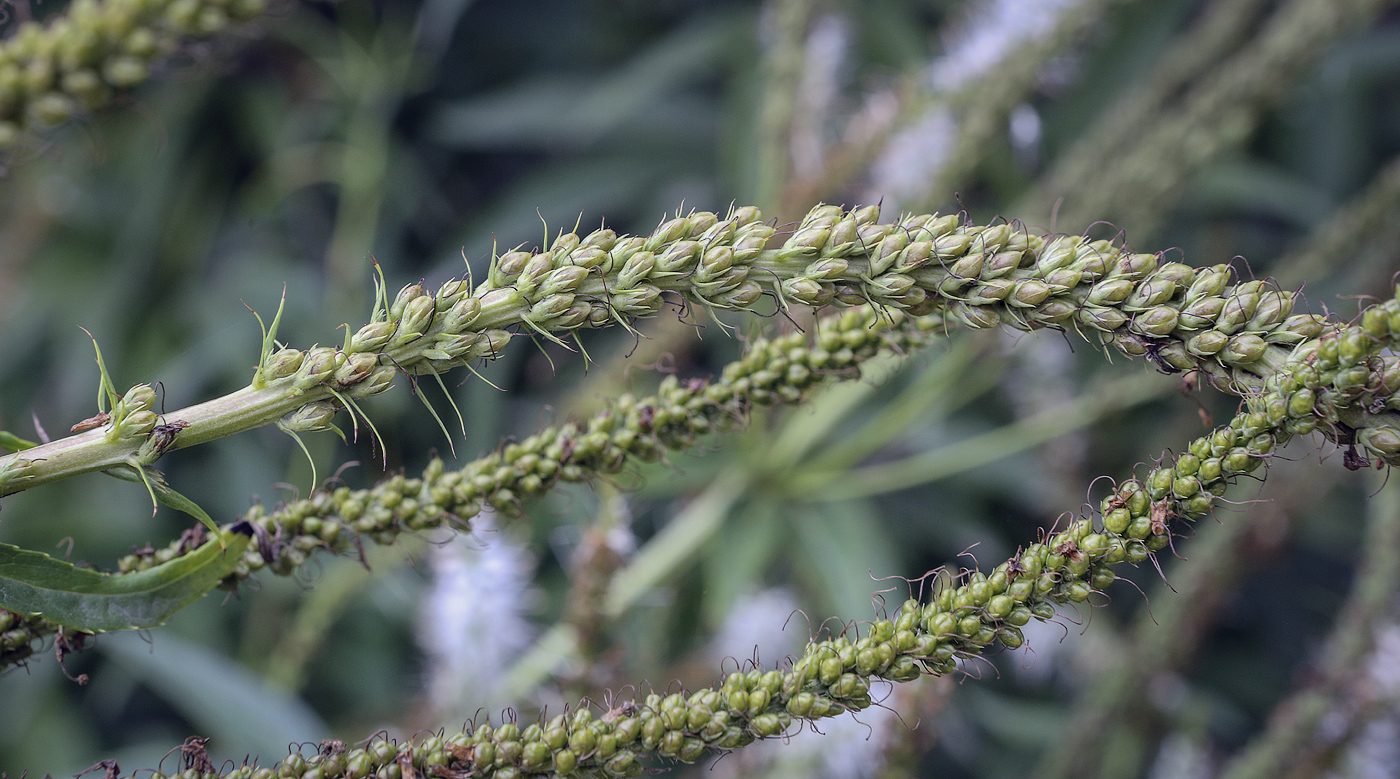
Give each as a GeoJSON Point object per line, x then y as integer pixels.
{"type": "Point", "coordinates": [14, 443]}
{"type": "Point", "coordinates": [161, 492]}
{"type": "Point", "coordinates": [35, 584]}
{"type": "Point", "coordinates": [219, 697]}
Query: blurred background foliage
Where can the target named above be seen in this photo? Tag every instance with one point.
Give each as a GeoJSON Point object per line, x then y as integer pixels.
{"type": "Point", "coordinates": [423, 134]}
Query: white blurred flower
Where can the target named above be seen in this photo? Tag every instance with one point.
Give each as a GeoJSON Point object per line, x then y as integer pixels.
{"type": "Point", "coordinates": [913, 157]}
{"type": "Point", "coordinates": [1181, 757]}
{"type": "Point", "coordinates": [992, 31]}
{"type": "Point", "coordinates": [816, 93]}
{"type": "Point", "coordinates": [472, 623]}
{"type": "Point", "coordinates": [755, 626]}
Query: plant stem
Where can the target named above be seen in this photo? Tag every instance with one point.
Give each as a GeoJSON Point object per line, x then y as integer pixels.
{"type": "Point", "coordinates": [976, 276]}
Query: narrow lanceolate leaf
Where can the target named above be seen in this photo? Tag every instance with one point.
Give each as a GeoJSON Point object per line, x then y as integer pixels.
{"type": "Point", "coordinates": [11, 442]}
{"type": "Point", "coordinates": [34, 583]}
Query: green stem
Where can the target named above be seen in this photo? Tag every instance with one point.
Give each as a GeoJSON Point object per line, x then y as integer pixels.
{"type": "Point", "coordinates": [1184, 318]}
{"type": "Point", "coordinates": [982, 449]}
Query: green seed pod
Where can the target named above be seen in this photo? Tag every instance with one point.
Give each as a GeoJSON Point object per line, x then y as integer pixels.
{"type": "Point", "coordinates": [1201, 313]}
{"type": "Point", "coordinates": [1043, 611]}
{"type": "Point", "coordinates": [1149, 294]}
{"type": "Point", "coordinates": [1353, 347]}
{"type": "Point", "coordinates": [311, 418]}
{"type": "Point", "coordinates": [1102, 319]}
{"type": "Point", "coordinates": [1274, 308]}
{"type": "Point", "coordinates": [800, 705]}
{"type": "Point", "coordinates": [627, 730]}
{"type": "Point", "coordinates": [1380, 441]}
{"type": "Point", "coordinates": [1298, 328]}
{"type": "Point", "coordinates": [1000, 606]}
{"type": "Point", "coordinates": [766, 725]}
{"type": "Point", "coordinates": [1208, 282]}
{"type": "Point", "coordinates": [1029, 293]}
{"type": "Point", "coordinates": [1159, 321]}
{"type": "Point", "coordinates": [1200, 503]}
{"type": "Point", "coordinates": [1116, 521]}
{"type": "Point", "coordinates": [624, 763]}
{"type": "Point", "coordinates": [1102, 577]}
{"type": "Point", "coordinates": [1078, 591]}
{"type": "Point", "coordinates": [1244, 349]}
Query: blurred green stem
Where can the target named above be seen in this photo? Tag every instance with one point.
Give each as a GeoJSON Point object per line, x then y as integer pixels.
{"type": "Point", "coordinates": [1110, 397]}
{"type": "Point", "coordinates": [781, 72]}
{"type": "Point", "coordinates": [1293, 730]}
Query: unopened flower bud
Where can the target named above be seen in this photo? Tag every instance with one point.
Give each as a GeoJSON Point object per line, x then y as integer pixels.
{"type": "Point", "coordinates": [636, 269]}
{"type": "Point", "coordinates": [451, 292]}
{"type": "Point", "coordinates": [887, 252]}
{"type": "Point", "coordinates": [808, 291]}
{"type": "Point", "coordinates": [379, 380]}
{"type": "Point", "coordinates": [135, 424]}
{"type": "Point", "coordinates": [679, 257]}
{"type": "Point", "coordinates": [714, 263]}
{"type": "Point", "coordinates": [1159, 321]}
{"type": "Point", "coordinates": [1152, 292]}
{"type": "Point", "coordinates": [666, 233]}
{"type": "Point", "coordinates": [501, 302]}
{"type": "Point", "coordinates": [1274, 308]}
{"type": "Point", "coordinates": [562, 280]}
{"type": "Point", "coordinates": [417, 317]}
{"type": "Point", "coordinates": [976, 317]}
{"type": "Point", "coordinates": [743, 295]}
{"type": "Point", "coordinates": [1208, 343]}
{"type": "Point", "coordinates": [139, 396]}
{"type": "Point", "coordinates": [1209, 282]}
{"type": "Point", "coordinates": [356, 368]}
{"type": "Point", "coordinates": [701, 221]}
{"type": "Point", "coordinates": [1102, 318]}
{"type": "Point", "coordinates": [549, 307]}
{"type": "Point", "coordinates": [1029, 293]}
{"type": "Point", "coordinates": [1243, 349]}
{"type": "Point", "coordinates": [1000, 264]}
{"type": "Point", "coordinates": [588, 257]}
{"type": "Point", "coordinates": [406, 295]}
{"type": "Point", "coordinates": [318, 365]}
{"type": "Point", "coordinates": [1202, 312]}
{"type": "Point", "coordinates": [509, 266]}
{"type": "Point", "coordinates": [371, 337]}
{"type": "Point", "coordinates": [310, 418]}
{"type": "Point", "coordinates": [1133, 266]}
{"type": "Point", "coordinates": [1110, 291]}
{"type": "Point", "coordinates": [564, 244]}
{"type": "Point", "coordinates": [283, 362]}
{"type": "Point", "coordinates": [950, 246]}
{"type": "Point", "coordinates": [1380, 441]}
{"type": "Point", "coordinates": [461, 315]}
{"type": "Point", "coordinates": [603, 238]}
{"type": "Point", "coordinates": [751, 241]}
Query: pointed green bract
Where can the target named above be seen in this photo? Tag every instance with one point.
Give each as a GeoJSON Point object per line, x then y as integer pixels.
{"type": "Point", "coordinates": [34, 583]}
